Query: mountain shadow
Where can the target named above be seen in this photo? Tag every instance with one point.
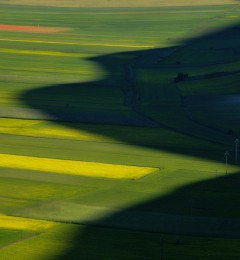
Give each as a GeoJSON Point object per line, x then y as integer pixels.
{"type": "Point", "coordinates": [190, 214]}
{"type": "Point", "coordinates": [191, 210]}
{"type": "Point", "coordinates": [90, 102]}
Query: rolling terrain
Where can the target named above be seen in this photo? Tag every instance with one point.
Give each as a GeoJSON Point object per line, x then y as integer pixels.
{"type": "Point", "coordinates": [114, 126]}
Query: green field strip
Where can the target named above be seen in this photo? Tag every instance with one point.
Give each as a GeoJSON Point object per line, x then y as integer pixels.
{"type": "Point", "coordinates": [141, 220]}
{"type": "Point", "coordinates": [29, 192]}
{"type": "Point", "coordinates": [10, 237]}
{"type": "Point", "coordinates": [107, 152]}
{"type": "Point", "coordinates": [39, 65]}
{"type": "Point", "coordinates": [116, 196]}
{"type": "Point", "coordinates": [10, 205]}
{"type": "Point", "coordinates": [77, 43]}
{"type": "Point", "coordinates": [45, 77]}
{"type": "Point", "coordinates": [45, 53]}
{"type": "Point", "coordinates": [78, 35]}
{"type": "Point", "coordinates": [217, 86]}
{"type": "Point", "coordinates": [103, 133]}
{"type": "Point", "coordinates": [172, 190]}
{"type": "Point", "coordinates": [175, 118]}
{"type": "Point", "coordinates": [50, 71]}
{"type": "Point", "coordinates": [107, 114]}
{"type": "Point", "coordinates": [148, 244]}
{"type": "Point", "coordinates": [36, 190]}
{"type": "Point", "coordinates": [88, 95]}
{"type": "Point", "coordinates": [12, 81]}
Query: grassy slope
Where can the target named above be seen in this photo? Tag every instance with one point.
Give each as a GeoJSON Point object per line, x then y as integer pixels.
{"type": "Point", "coordinates": [205, 59]}
{"type": "Point", "coordinates": [188, 168]}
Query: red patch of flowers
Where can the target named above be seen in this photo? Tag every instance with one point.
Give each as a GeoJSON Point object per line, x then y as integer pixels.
{"type": "Point", "coordinates": [31, 29]}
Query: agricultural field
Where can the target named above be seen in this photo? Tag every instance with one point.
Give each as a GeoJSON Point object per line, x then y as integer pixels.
{"type": "Point", "coordinates": [115, 119]}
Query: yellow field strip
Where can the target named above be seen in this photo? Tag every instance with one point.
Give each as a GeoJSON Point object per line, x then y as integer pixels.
{"type": "Point", "coordinates": [91, 169]}
{"type": "Point", "coordinates": [39, 128]}
{"type": "Point", "coordinates": [46, 53]}
{"type": "Point", "coordinates": [80, 44]}
{"type": "Point", "coordinates": [9, 222]}
{"type": "Point", "coordinates": [8, 95]}
{"type": "Point", "coordinates": [60, 133]}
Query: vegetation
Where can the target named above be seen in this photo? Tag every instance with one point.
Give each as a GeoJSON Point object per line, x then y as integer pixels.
{"type": "Point", "coordinates": [103, 154]}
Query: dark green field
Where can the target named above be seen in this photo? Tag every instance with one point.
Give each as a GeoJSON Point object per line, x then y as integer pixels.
{"type": "Point", "coordinates": [142, 86]}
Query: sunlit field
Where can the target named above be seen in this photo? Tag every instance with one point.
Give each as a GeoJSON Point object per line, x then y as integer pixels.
{"type": "Point", "coordinates": [74, 167]}
{"type": "Point", "coordinates": [119, 127]}
{"type": "Point", "coordinates": [9, 222]}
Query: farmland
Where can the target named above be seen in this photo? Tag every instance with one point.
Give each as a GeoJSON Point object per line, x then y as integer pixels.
{"type": "Point", "coordinates": [107, 150]}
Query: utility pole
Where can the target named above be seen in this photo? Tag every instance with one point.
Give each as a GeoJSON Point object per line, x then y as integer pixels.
{"type": "Point", "coordinates": [236, 143]}
{"type": "Point", "coordinates": [226, 159]}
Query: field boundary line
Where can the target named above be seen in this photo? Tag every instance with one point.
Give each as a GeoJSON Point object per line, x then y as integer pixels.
{"type": "Point", "coordinates": [19, 241]}
{"type": "Point", "coordinates": [80, 44]}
